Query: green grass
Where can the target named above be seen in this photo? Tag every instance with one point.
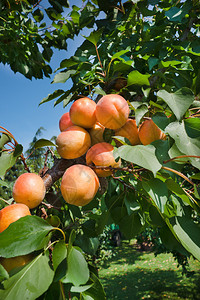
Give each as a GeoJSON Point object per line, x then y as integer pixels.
{"type": "Point", "coordinates": [140, 275]}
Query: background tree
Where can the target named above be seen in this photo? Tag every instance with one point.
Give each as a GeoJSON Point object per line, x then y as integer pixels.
{"type": "Point", "coordinates": [148, 52]}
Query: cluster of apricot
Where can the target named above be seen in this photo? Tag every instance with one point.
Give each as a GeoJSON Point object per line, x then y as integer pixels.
{"type": "Point", "coordinates": [82, 132]}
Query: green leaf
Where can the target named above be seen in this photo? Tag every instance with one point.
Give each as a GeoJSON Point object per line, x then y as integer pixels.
{"type": "Point", "coordinates": [170, 241]}
{"type": "Point", "coordinates": [197, 191]}
{"type": "Point", "coordinates": [140, 155]}
{"type": "Point", "coordinates": [52, 96]}
{"type": "Point", "coordinates": [130, 225]}
{"type": "Point", "coordinates": [185, 144]}
{"type": "Point", "coordinates": [168, 63]}
{"type": "Point", "coordinates": [7, 160]}
{"type": "Point", "coordinates": [137, 78]}
{"type": "Point", "coordinates": [94, 36]}
{"type": "Point", "coordinates": [4, 139]}
{"type": "Point", "coordinates": [62, 77]}
{"type": "Point", "coordinates": [153, 61]}
{"type": "Point", "coordinates": [140, 112]}
{"type": "Point", "coordinates": [188, 233]}
{"type": "Point", "coordinates": [161, 120]}
{"type": "Point", "coordinates": [99, 91]}
{"type": "Point", "coordinates": [179, 102]}
{"type": "Point", "coordinates": [192, 127]}
{"type": "Point", "coordinates": [158, 192]}
{"type": "Point", "coordinates": [119, 54]}
{"type": "Point", "coordinates": [43, 143]}
{"type": "Point", "coordinates": [131, 204]}
{"type": "Point", "coordinates": [77, 268]}
{"type": "Point", "coordinates": [3, 183]}
{"type": "Point", "coordinates": [87, 244]}
{"type": "Point", "coordinates": [96, 291]}
{"type": "Point", "coordinates": [176, 189]}
{"type": "Point", "coordinates": [27, 234]}
{"type": "Point", "coordinates": [3, 273]}
{"type": "Point", "coordinates": [195, 176]}
{"type": "Point", "coordinates": [176, 14]}
{"type": "Point", "coordinates": [38, 15]}
{"type": "Point", "coordinates": [59, 254]}
{"type": "Point", "coordinates": [30, 282]}
{"type": "Point", "coordinates": [80, 289]}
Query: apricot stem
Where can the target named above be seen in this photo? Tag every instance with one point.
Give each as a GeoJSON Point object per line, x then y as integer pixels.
{"type": "Point", "coordinates": [178, 173]}
{"type": "Point", "coordinates": [62, 290]}
{"type": "Point", "coordinates": [188, 194]}
{"type": "Point", "coordinates": [56, 228]}
{"type": "Point", "coordinates": [180, 156]}
{"type": "Point", "coordinates": [100, 60]}
{"type": "Point", "coordinates": [4, 201]}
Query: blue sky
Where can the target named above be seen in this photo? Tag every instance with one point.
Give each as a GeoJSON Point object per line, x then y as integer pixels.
{"type": "Point", "coordinates": [20, 112]}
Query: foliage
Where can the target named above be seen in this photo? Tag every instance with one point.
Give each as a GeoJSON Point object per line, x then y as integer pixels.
{"type": "Point", "coordinates": [152, 49]}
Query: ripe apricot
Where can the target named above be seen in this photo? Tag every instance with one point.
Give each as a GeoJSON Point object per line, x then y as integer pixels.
{"type": "Point", "coordinates": [101, 154]}
{"type": "Point", "coordinates": [96, 133]}
{"type": "Point", "coordinates": [149, 132]}
{"type": "Point", "coordinates": [112, 111]}
{"type": "Point", "coordinates": [15, 262]}
{"type": "Point", "coordinates": [129, 131]}
{"type": "Point", "coordinates": [12, 213]}
{"type": "Point", "coordinates": [79, 185]}
{"type": "Point", "coordinates": [82, 112]}
{"type": "Point", "coordinates": [65, 122]}
{"type": "Point", "coordinates": [29, 189]}
{"type": "Point", "coordinates": [73, 142]}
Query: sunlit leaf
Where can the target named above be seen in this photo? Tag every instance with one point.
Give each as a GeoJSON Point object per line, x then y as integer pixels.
{"type": "Point", "coordinates": [179, 101]}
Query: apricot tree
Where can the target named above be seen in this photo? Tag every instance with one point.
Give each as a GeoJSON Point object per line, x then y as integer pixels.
{"type": "Point", "coordinates": [147, 54]}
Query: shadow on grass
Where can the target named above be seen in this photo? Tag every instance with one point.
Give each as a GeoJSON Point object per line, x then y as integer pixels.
{"type": "Point", "coordinates": [123, 278]}
{"type": "Point", "coordinates": [124, 253]}
{"type": "Point", "coordinates": [145, 284]}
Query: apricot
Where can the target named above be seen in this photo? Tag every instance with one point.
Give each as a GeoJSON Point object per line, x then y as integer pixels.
{"type": "Point", "coordinates": [65, 122]}
{"type": "Point", "coordinates": [12, 213]}
{"type": "Point", "coordinates": [96, 133]}
{"type": "Point", "coordinates": [73, 142]}
{"type": "Point", "coordinates": [79, 185]}
{"type": "Point", "coordinates": [29, 189]}
{"type": "Point", "coordinates": [101, 154]}
{"type": "Point", "coordinates": [15, 262]}
{"type": "Point", "coordinates": [149, 132]}
{"type": "Point", "coordinates": [82, 112]}
{"type": "Point", "coordinates": [129, 131]}
{"type": "Point", "coordinates": [112, 111]}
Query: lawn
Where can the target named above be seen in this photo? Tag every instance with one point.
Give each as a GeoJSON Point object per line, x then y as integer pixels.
{"type": "Point", "coordinates": [132, 274]}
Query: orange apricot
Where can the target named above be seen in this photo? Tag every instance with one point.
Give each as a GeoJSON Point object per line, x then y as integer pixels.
{"type": "Point", "coordinates": [65, 122]}
{"type": "Point", "coordinates": [79, 185]}
{"type": "Point", "coordinates": [82, 112]}
{"type": "Point", "coordinates": [96, 133]}
{"type": "Point", "coordinates": [12, 213]}
{"type": "Point", "coordinates": [129, 131]}
{"type": "Point", "coordinates": [112, 111]}
{"type": "Point", "coordinates": [101, 154]}
{"type": "Point", "coordinates": [73, 142]}
{"type": "Point", "coordinates": [29, 189]}
{"type": "Point", "coordinates": [149, 132]}
{"type": "Point", "coordinates": [15, 262]}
